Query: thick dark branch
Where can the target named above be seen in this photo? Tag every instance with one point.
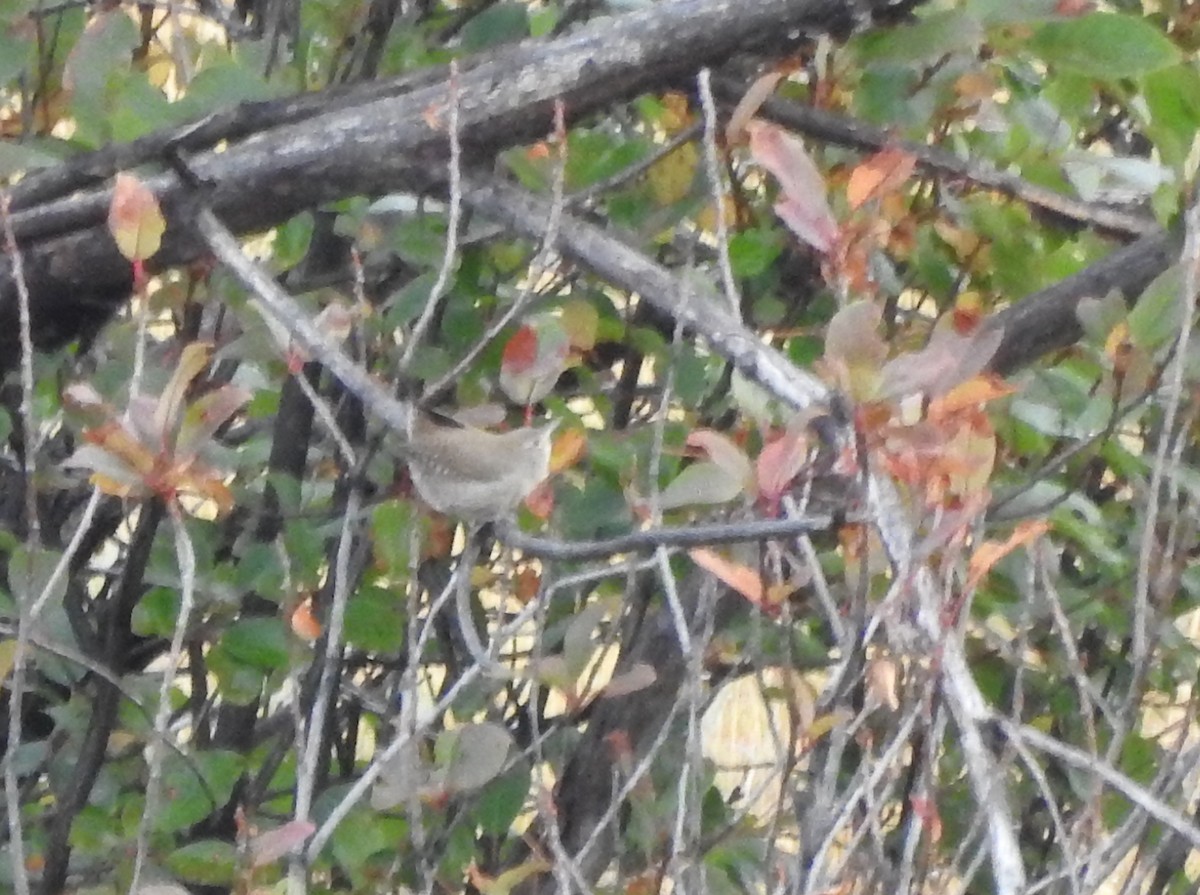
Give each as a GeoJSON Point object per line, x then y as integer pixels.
{"type": "Point", "coordinates": [1046, 320]}
{"type": "Point", "coordinates": [363, 144]}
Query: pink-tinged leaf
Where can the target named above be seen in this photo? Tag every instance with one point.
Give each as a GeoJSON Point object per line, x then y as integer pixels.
{"type": "Point", "coordinates": [701, 484]}
{"type": "Point", "coordinates": [140, 418]}
{"type": "Point", "coordinates": [927, 812]}
{"type": "Point", "coordinates": [803, 205]}
{"type": "Point", "coordinates": [749, 105]}
{"type": "Point", "coordinates": [205, 416]}
{"type": "Point", "coordinates": [882, 676]}
{"type": "Point", "coordinates": [269, 847]}
{"type": "Point", "coordinates": [810, 224]}
{"type": "Point", "coordinates": [722, 451]}
{"type": "Point", "coordinates": [778, 464]}
{"type": "Point", "coordinates": [533, 359]}
{"type": "Point", "coordinates": [135, 219]}
{"type": "Point", "coordinates": [948, 360]}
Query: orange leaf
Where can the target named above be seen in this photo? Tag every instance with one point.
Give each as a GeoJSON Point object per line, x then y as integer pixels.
{"type": "Point", "coordinates": [304, 622]}
{"type": "Point", "coordinates": [743, 579]}
{"type": "Point", "coordinates": [882, 173]}
{"type": "Point", "coordinates": [991, 552]}
{"type": "Point", "coordinates": [540, 501]}
{"type": "Point", "coordinates": [117, 441]}
{"type": "Point", "coordinates": [569, 446]}
{"type": "Point", "coordinates": [970, 394]}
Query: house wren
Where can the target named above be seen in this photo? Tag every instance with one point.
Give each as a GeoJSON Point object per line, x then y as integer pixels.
{"type": "Point", "coordinates": [473, 474]}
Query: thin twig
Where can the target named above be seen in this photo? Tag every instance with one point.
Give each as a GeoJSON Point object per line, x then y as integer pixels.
{"type": "Point", "coordinates": [1139, 795]}
{"type": "Point", "coordinates": [453, 222]}
{"type": "Point", "coordinates": [536, 267]}
{"type": "Point", "coordinates": [185, 554]}
{"type": "Point", "coordinates": [651, 539]}
{"type": "Point", "coordinates": [1170, 440]}
{"type": "Point", "coordinates": [306, 774]}
{"type": "Point", "coordinates": [276, 305]}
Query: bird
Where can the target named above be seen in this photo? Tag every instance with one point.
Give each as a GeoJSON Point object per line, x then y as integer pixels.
{"type": "Point", "coordinates": [473, 474]}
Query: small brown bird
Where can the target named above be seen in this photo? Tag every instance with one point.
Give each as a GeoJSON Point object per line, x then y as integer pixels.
{"type": "Point", "coordinates": [473, 474]}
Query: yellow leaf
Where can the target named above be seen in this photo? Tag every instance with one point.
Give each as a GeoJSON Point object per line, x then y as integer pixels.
{"type": "Point", "coordinates": [192, 361]}
{"type": "Point", "coordinates": [580, 320]}
{"type": "Point", "coordinates": [134, 218]}
{"type": "Point", "coordinates": [8, 652]}
{"type": "Point", "coordinates": [671, 177]}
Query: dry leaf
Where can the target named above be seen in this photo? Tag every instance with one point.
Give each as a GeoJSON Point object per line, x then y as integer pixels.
{"type": "Point", "coordinates": [749, 104]}
{"type": "Point", "coordinates": [743, 579]}
{"type": "Point", "coordinates": [882, 173]}
{"type": "Point", "coordinates": [991, 552]}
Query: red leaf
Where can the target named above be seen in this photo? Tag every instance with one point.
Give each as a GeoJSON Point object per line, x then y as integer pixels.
{"type": "Point", "coordinates": [521, 350]}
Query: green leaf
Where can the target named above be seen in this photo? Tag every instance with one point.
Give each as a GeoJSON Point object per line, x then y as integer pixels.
{"type": "Point", "coordinates": [13, 55]}
{"type": "Point", "coordinates": [472, 755]}
{"type": "Point", "coordinates": [752, 252]}
{"type": "Point", "coordinates": [1105, 45]}
{"type": "Point", "coordinates": [1158, 314]}
{"type": "Point", "coordinates": [374, 620]}
{"type": "Point", "coordinates": [499, 24]}
{"type": "Point", "coordinates": [155, 613]}
{"type": "Point", "coordinates": [406, 304]}
{"type": "Point", "coordinates": [357, 838]}
{"type": "Point", "coordinates": [391, 530]}
{"type": "Point", "coordinates": [502, 801]}
{"type": "Point", "coordinates": [595, 155]}
{"type": "Point", "coordinates": [702, 483]}
{"type": "Point", "coordinates": [192, 798]}
{"type": "Point", "coordinates": [927, 40]}
{"type": "Point", "coordinates": [208, 862]}
{"type": "Point", "coordinates": [260, 643]}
